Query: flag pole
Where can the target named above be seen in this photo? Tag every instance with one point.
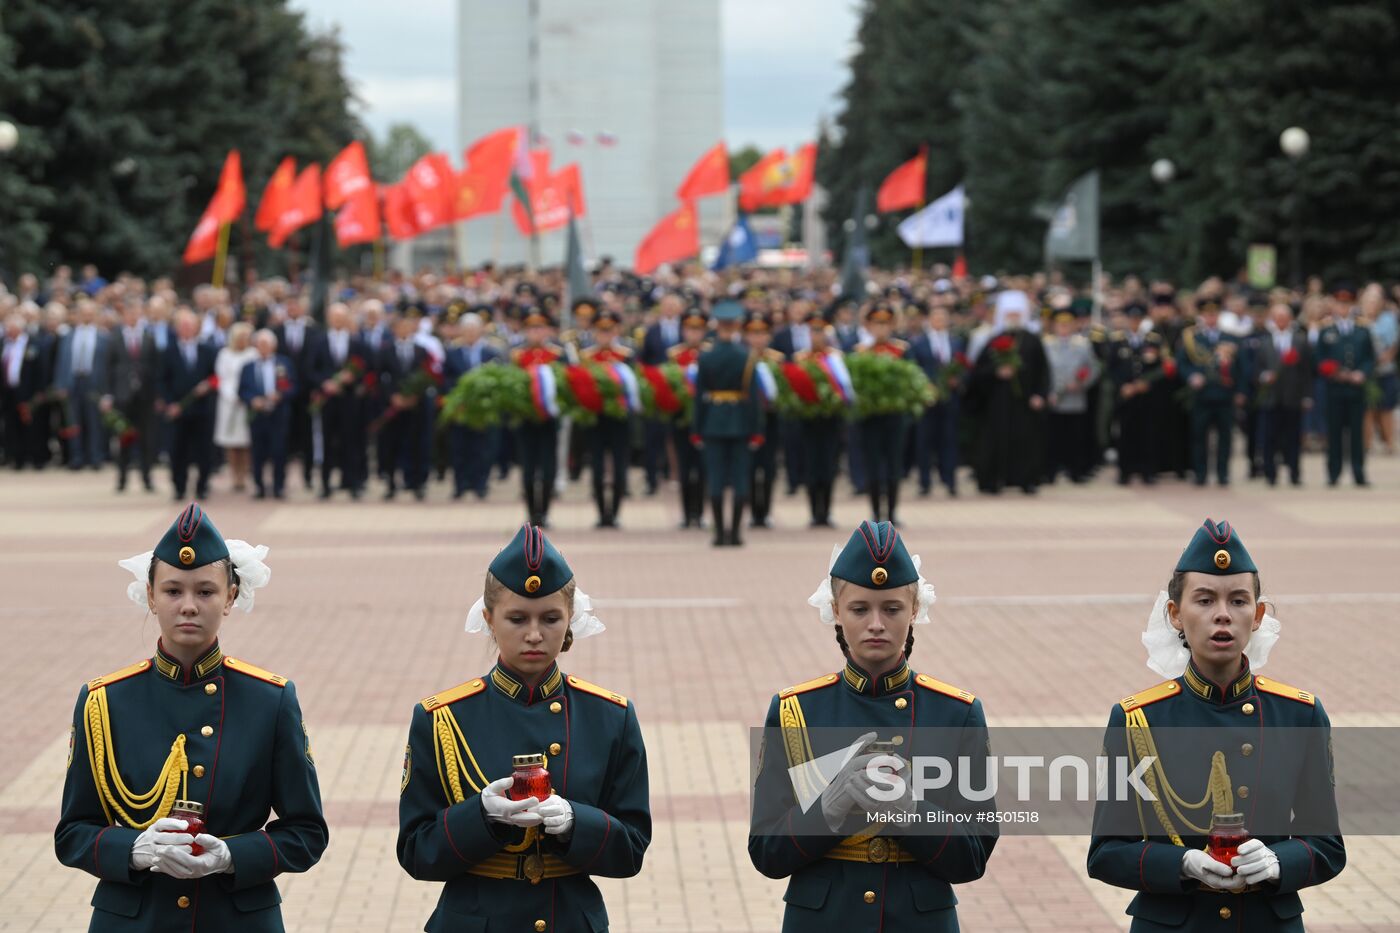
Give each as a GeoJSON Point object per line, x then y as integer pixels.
{"type": "Point", "coordinates": [918, 249]}
{"type": "Point", "coordinates": [378, 258]}
{"type": "Point", "coordinates": [221, 256]}
{"type": "Point", "coordinates": [496, 234]}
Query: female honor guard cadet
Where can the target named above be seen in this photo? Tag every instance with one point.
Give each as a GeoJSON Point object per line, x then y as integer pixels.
{"type": "Point", "coordinates": [538, 441]}
{"type": "Point", "coordinates": [1221, 760]}
{"type": "Point", "coordinates": [199, 736]}
{"type": "Point", "coordinates": [848, 869]}
{"type": "Point", "coordinates": [524, 864]}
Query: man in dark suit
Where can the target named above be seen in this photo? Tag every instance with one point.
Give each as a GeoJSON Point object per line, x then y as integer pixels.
{"type": "Point", "coordinates": [1346, 358]}
{"type": "Point", "coordinates": [796, 337]}
{"type": "Point", "coordinates": [939, 353]}
{"type": "Point", "coordinates": [19, 379]}
{"type": "Point", "coordinates": [133, 371]}
{"type": "Point", "coordinates": [187, 401]}
{"type": "Point", "coordinates": [339, 361]}
{"type": "Point", "coordinates": [472, 452]}
{"type": "Point", "coordinates": [295, 337]}
{"type": "Point", "coordinates": [81, 373]}
{"type": "Point", "coordinates": [401, 424]}
{"type": "Point", "coordinates": [267, 386]}
{"type": "Point", "coordinates": [663, 334]}
{"type": "Point", "coordinates": [1283, 367]}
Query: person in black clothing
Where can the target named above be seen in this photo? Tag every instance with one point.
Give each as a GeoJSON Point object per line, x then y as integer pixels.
{"type": "Point", "coordinates": [187, 402]}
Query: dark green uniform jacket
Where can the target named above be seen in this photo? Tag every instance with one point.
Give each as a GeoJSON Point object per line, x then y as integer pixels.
{"type": "Point", "coordinates": [248, 755]}
{"type": "Point", "coordinates": [497, 877]}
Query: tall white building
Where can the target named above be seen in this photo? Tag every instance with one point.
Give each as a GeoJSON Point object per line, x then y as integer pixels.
{"type": "Point", "coordinates": [645, 72]}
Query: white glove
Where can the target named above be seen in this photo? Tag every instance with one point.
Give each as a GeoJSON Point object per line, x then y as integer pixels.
{"type": "Point", "coordinates": [556, 815]}
{"type": "Point", "coordinates": [160, 835]}
{"type": "Point", "coordinates": [1198, 864]}
{"type": "Point", "coordinates": [179, 862]}
{"type": "Point", "coordinates": [501, 809]}
{"type": "Point", "coordinates": [1256, 862]}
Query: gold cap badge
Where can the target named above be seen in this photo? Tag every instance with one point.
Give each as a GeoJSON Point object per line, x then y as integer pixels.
{"type": "Point", "coordinates": [1222, 559]}
{"type": "Point", "coordinates": [187, 555]}
{"type": "Point", "coordinates": [879, 575]}
{"type": "Point", "coordinates": [532, 583]}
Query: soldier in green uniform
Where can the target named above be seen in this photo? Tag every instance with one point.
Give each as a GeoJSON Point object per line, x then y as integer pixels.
{"type": "Point", "coordinates": [524, 864]}
{"type": "Point", "coordinates": [881, 437]}
{"type": "Point", "coordinates": [1210, 364]}
{"type": "Point", "coordinates": [1346, 358]}
{"type": "Point", "coordinates": [727, 426]}
{"type": "Point", "coordinates": [845, 872]}
{"type": "Point", "coordinates": [1227, 746]}
{"type": "Point", "coordinates": [190, 731]}
{"type": "Point", "coordinates": [758, 335]}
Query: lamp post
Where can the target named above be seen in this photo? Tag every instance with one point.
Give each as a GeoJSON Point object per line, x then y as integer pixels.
{"type": "Point", "coordinates": [1163, 172]}
{"type": "Point", "coordinates": [1295, 143]}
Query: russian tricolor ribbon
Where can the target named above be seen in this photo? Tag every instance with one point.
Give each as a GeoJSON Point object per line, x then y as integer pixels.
{"type": "Point", "coordinates": [544, 392]}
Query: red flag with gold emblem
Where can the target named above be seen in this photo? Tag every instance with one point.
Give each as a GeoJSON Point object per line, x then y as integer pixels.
{"type": "Point", "coordinates": [482, 186]}
{"type": "Point", "coordinates": [675, 237]}
{"type": "Point", "coordinates": [347, 175]}
{"type": "Point", "coordinates": [553, 198]}
{"type": "Point", "coordinates": [710, 175]}
{"type": "Point", "coordinates": [275, 194]}
{"type": "Point", "coordinates": [301, 207]}
{"type": "Point", "coordinates": [779, 178]}
{"type": "Point", "coordinates": [228, 202]}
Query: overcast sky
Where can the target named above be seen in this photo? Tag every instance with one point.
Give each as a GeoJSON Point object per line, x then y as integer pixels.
{"type": "Point", "coordinates": [784, 62]}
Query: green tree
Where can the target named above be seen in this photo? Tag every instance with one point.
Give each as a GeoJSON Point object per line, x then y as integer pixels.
{"type": "Point", "coordinates": [391, 157]}
{"type": "Point", "coordinates": [22, 228]}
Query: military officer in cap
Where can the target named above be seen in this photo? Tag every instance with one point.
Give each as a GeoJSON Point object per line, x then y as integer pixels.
{"type": "Point", "coordinates": [524, 861]}
{"type": "Point", "coordinates": [727, 427]}
{"type": "Point", "coordinates": [848, 866]}
{"type": "Point", "coordinates": [1134, 366]}
{"type": "Point", "coordinates": [821, 437]}
{"type": "Point", "coordinates": [881, 437]}
{"type": "Point", "coordinates": [758, 334]}
{"type": "Point", "coordinates": [190, 734]}
{"type": "Point", "coordinates": [1254, 755]}
{"type": "Point", "coordinates": [537, 442]}
{"type": "Point", "coordinates": [1346, 358]}
{"type": "Point", "coordinates": [585, 317]}
{"type": "Point", "coordinates": [610, 440]}
{"type": "Point", "coordinates": [1209, 361]}
{"type": "Point", "coordinates": [690, 462]}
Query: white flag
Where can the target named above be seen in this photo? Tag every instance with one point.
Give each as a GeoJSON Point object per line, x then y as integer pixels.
{"type": "Point", "coordinates": [939, 224]}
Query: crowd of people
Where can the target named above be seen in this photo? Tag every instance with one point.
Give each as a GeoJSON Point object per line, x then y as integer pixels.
{"type": "Point", "coordinates": [1036, 381]}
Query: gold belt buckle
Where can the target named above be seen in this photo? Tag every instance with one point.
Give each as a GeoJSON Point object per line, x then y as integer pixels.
{"type": "Point", "coordinates": [532, 867]}
{"type": "Point", "coordinates": [878, 850]}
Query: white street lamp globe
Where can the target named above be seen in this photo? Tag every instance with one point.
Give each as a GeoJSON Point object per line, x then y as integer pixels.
{"type": "Point", "coordinates": [871, 221]}
{"type": "Point", "coordinates": [849, 224]}
{"type": "Point", "coordinates": [1294, 142]}
{"type": "Point", "coordinates": [1163, 171]}
{"type": "Point", "coordinates": [9, 136]}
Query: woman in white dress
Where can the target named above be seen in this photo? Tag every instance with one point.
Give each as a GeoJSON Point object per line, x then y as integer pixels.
{"type": "Point", "coordinates": [231, 417]}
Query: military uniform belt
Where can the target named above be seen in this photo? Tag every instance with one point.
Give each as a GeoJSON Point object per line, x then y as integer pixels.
{"type": "Point", "coordinates": [874, 851]}
{"type": "Point", "coordinates": [529, 867]}
{"type": "Point", "coordinates": [724, 397]}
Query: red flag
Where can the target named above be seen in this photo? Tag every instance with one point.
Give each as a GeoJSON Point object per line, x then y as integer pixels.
{"type": "Point", "coordinates": [275, 194]}
{"type": "Point", "coordinates": [904, 187]}
{"type": "Point", "coordinates": [676, 236]}
{"type": "Point", "coordinates": [347, 175]}
{"type": "Point", "coordinates": [710, 175]}
{"type": "Point", "coordinates": [779, 178]}
{"type": "Point", "coordinates": [302, 206]}
{"type": "Point", "coordinates": [430, 184]}
{"type": "Point", "coordinates": [399, 214]}
{"type": "Point", "coordinates": [482, 186]}
{"type": "Point", "coordinates": [224, 207]}
{"type": "Point", "coordinates": [358, 218]}
{"type": "Point", "coordinates": [552, 198]}
{"type": "Point", "coordinates": [960, 267]}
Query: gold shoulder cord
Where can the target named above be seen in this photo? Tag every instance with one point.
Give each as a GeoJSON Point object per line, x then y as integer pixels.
{"type": "Point", "coordinates": [799, 751]}
{"type": "Point", "coordinates": [102, 758]}
{"type": "Point", "coordinates": [1188, 338]}
{"type": "Point", "coordinates": [453, 755]}
{"type": "Point", "coordinates": [1218, 793]}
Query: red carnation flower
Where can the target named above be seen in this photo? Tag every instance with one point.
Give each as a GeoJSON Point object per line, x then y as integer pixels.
{"type": "Point", "coordinates": [1169, 368]}
{"type": "Point", "coordinates": [1003, 344]}
{"type": "Point", "coordinates": [1082, 375]}
{"type": "Point", "coordinates": [1290, 358]}
{"type": "Point", "coordinates": [1329, 368]}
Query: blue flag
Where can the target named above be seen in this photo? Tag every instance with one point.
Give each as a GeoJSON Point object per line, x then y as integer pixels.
{"type": "Point", "coordinates": [738, 247]}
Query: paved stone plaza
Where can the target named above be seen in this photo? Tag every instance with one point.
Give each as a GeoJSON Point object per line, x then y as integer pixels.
{"type": "Point", "coordinates": [1041, 604]}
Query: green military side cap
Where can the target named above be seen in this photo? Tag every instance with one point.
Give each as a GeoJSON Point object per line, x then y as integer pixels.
{"type": "Point", "coordinates": [192, 541]}
{"type": "Point", "coordinates": [530, 565]}
{"type": "Point", "coordinates": [1216, 548]}
{"type": "Point", "coordinates": [875, 557]}
{"type": "Point", "coordinates": [728, 311]}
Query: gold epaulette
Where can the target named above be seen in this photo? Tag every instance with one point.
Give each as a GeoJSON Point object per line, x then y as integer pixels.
{"type": "Point", "coordinates": [243, 667]}
{"type": "Point", "coordinates": [131, 670]}
{"type": "Point", "coordinates": [1283, 690]}
{"type": "Point", "coordinates": [1167, 688]}
{"type": "Point", "coordinates": [957, 693]}
{"type": "Point", "coordinates": [453, 694]}
{"type": "Point", "coordinates": [580, 684]}
{"type": "Point", "coordinates": [826, 680]}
